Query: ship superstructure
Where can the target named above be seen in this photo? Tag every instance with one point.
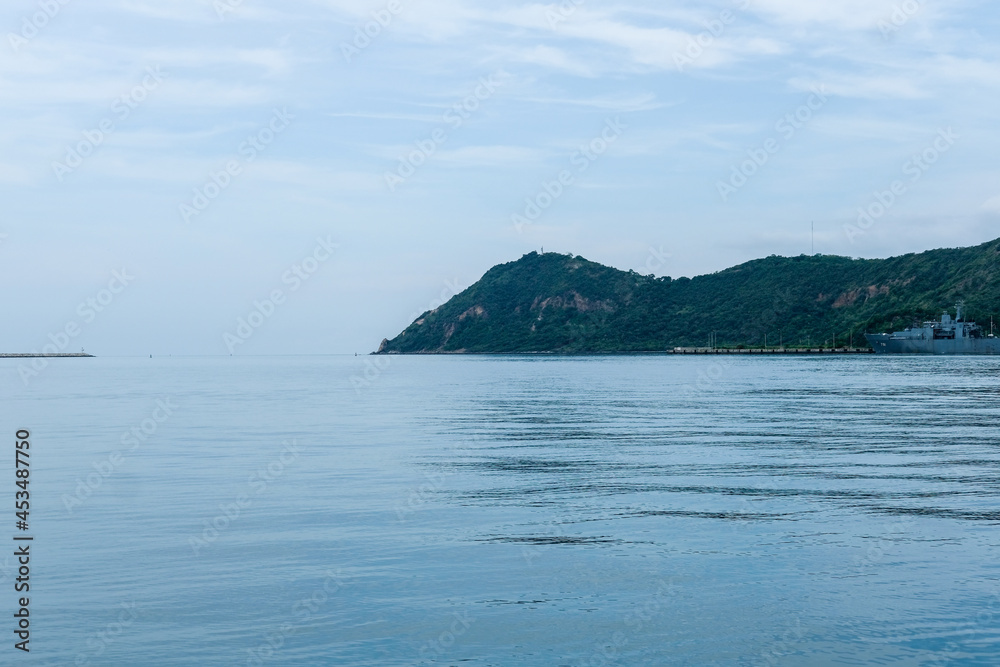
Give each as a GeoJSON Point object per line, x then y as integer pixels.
{"type": "Point", "coordinates": [945, 336]}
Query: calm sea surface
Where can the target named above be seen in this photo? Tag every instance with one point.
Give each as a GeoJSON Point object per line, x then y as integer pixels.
{"type": "Point", "coordinates": [507, 511]}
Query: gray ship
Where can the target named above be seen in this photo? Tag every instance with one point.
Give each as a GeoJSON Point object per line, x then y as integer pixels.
{"type": "Point", "coordinates": [948, 336]}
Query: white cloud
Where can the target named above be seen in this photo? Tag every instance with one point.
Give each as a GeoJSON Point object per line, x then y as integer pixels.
{"type": "Point", "coordinates": [843, 14]}
{"type": "Point", "coordinates": [491, 156]}
{"type": "Point", "coordinates": [372, 115]}
{"type": "Point", "coordinates": [868, 86]}
{"type": "Point", "coordinates": [553, 58]}
{"type": "Point", "coordinates": [560, 81]}
{"type": "Point", "coordinates": [624, 103]}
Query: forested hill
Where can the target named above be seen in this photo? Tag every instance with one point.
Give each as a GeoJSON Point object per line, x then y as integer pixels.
{"type": "Point", "coordinates": [560, 303]}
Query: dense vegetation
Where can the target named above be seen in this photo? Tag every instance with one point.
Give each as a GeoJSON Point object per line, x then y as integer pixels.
{"type": "Point", "coordinates": [559, 303]}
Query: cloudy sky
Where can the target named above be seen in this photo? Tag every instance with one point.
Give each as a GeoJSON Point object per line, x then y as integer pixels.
{"type": "Point", "coordinates": [362, 160]}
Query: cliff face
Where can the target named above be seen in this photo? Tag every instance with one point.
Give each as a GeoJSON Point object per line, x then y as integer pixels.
{"type": "Point", "coordinates": [560, 303]}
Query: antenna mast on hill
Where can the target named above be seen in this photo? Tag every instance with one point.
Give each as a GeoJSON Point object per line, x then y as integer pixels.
{"type": "Point", "coordinates": [813, 238]}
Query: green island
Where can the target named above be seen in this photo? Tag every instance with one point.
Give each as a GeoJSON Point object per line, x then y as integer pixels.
{"type": "Point", "coordinates": [564, 304]}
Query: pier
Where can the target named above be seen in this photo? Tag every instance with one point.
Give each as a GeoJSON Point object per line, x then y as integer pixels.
{"type": "Point", "coordinates": [33, 355]}
{"type": "Point", "coordinates": [772, 350]}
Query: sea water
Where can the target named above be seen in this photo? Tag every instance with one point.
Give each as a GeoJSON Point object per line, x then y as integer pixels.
{"type": "Point", "coordinates": [639, 510]}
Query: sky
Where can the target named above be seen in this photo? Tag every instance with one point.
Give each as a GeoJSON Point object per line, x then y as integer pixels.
{"type": "Point", "coordinates": [249, 177]}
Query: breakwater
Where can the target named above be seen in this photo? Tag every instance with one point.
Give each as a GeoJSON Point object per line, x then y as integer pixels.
{"type": "Point", "coordinates": [33, 355]}
{"type": "Point", "coordinates": [772, 350]}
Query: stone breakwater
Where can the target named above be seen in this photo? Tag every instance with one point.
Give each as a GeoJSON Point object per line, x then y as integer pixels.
{"type": "Point", "coordinates": [32, 355]}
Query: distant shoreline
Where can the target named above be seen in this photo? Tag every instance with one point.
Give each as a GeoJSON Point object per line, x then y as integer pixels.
{"type": "Point", "coordinates": [33, 355]}
{"type": "Point", "coordinates": [756, 351]}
